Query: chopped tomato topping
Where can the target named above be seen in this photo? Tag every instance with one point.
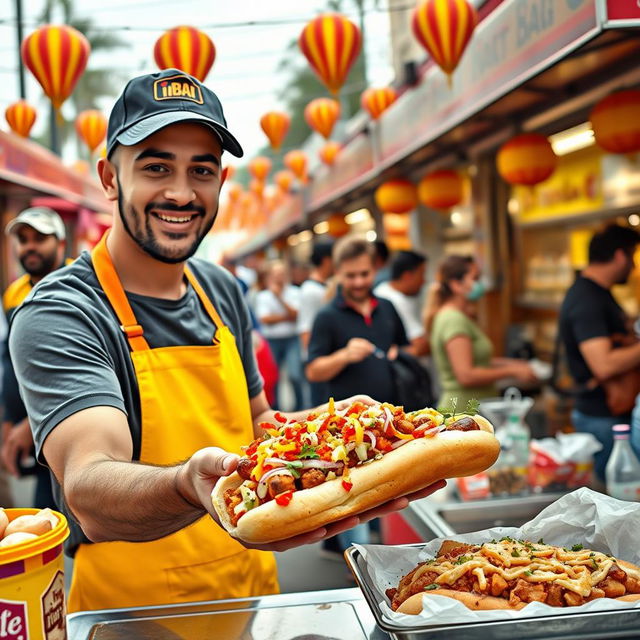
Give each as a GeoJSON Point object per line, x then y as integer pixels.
{"type": "Point", "coordinates": [356, 407]}
{"type": "Point", "coordinates": [283, 499]}
{"type": "Point", "coordinates": [279, 417]}
{"type": "Point", "coordinates": [347, 485]}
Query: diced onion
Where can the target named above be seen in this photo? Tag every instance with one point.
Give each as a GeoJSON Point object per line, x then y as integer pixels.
{"type": "Point", "coordinates": [350, 446]}
{"type": "Point", "coordinates": [277, 461]}
{"type": "Point", "coordinates": [399, 443]}
{"type": "Point", "coordinates": [388, 417]}
{"type": "Point", "coordinates": [262, 485]}
{"type": "Point", "coordinates": [320, 464]}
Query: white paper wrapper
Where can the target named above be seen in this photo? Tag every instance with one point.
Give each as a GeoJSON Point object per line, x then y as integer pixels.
{"type": "Point", "coordinates": [592, 519]}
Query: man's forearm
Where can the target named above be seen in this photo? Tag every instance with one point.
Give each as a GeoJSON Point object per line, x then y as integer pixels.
{"type": "Point", "coordinates": [620, 360]}
{"type": "Point", "coordinates": [128, 501]}
{"type": "Point", "coordinates": [327, 367]}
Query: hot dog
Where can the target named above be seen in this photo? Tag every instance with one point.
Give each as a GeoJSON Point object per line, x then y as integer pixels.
{"type": "Point", "coordinates": [509, 574]}
{"type": "Point", "coordinates": [307, 474]}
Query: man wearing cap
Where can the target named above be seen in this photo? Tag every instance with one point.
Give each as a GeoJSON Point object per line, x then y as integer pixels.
{"type": "Point", "coordinates": [40, 239]}
{"type": "Point", "coordinates": [137, 369]}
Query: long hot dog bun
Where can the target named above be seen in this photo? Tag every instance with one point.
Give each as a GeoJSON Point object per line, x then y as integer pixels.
{"type": "Point", "coordinates": [409, 468]}
{"type": "Point", "coordinates": [413, 604]}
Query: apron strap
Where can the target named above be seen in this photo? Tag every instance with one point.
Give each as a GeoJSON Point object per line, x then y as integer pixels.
{"type": "Point", "coordinates": [111, 285]}
{"type": "Point", "coordinates": [204, 299]}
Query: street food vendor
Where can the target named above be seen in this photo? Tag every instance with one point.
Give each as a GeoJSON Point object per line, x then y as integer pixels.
{"type": "Point", "coordinates": [136, 366]}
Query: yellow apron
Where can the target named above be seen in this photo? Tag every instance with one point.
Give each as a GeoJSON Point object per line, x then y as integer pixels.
{"type": "Point", "coordinates": [190, 397]}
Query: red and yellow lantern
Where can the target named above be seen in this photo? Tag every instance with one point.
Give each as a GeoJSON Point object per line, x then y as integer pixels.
{"type": "Point", "coordinates": [616, 122]}
{"type": "Point", "coordinates": [331, 43]}
{"type": "Point", "coordinates": [91, 126]}
{"type": "Point", "coordinates": [396, 196]}
{"type": "Point", "coordinates": [321, 115]}
{"type": "Point", "coordinates": [441, 189]}
{"type": "Point", "coordinates": [377, 101]}
{"type": "Point", "coordinates": [56, 55]}
{"type": "Point", "coordinates": [275, 125]}
{"type": "Point", "coordinates": [187, 49]}
{"type": "Point", "coordinates": [259, 167]}
{"type": "Point", "coordinates": [329, 152]}
{"type": "Point", "coordinates": [396, 230]}
{"type": "Point", "coordinates": [526, 159]}
{"type": "Point", "coordinates": [444, 28]}
{"type": "Point", "coordinates": [337, 225]}
{"type": "Point", "coordinates": [20, 117]}
{"type": "Point", "coordinates": [284, 180]}
{"type": "Point", "coordinates": [296, 161]}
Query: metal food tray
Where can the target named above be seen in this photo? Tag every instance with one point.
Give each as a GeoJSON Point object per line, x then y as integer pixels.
{"type": "Point", "coordinates": [579, 626]}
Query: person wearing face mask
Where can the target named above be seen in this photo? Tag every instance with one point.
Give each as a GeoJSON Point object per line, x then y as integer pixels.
{"type": "Point", "coordinates": [462, 352]}
{"type": "Point", "coordinates": [602, 354]}
{"type": "Point", "coordinates": [40, 240]}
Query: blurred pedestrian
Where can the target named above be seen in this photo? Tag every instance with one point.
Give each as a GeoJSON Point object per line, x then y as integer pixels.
{"type": "Point", "coordinates": [299, 272]}
{"type": "Point", "coordinates": [381, 262]}
{"type": "Point", "coordinates": [40, 240]}
{"type": "Point", "coordinates": [313, 296]}
{"type": "Point", "coordinates": [462, 352]}
{"type": "Point", "coordinates": [277, 312]}
{"type": "Point", "coordinates": [403, 291]}
{"type": "Point", "coordinates": [601, 350]}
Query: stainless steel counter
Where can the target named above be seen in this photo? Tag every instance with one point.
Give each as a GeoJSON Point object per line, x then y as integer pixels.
{"type": "Point", "coordinates": [340, 614]}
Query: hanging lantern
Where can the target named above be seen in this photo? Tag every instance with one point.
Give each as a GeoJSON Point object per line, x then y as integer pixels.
{"type": "Point", "coordinates": [396, 196]}
{"type": "Point", "coordinates": [526, 159]}
{"type": "Point", "coordinates": [616, 122]}
{"type": "Point", "coordinates": [331, 44]}
{"type": "Point", "coordinates": [329, 152]}
{"type": "Point", "coordinates": [234, 191]}
{"type": "Point", "coordinates": [284, 180]}
{"type": "Point", "coordinates": [56, 55]}
{"type": "Point", "coordinates": [377, 101]}
{"type": "Point", "coordinates": [444, 28]}
{"type": "Point", "coordinates": [20, 116]}
{"type": "Point", "coordinates": [321, 115]}
{"type": "Point", "coordinates": [187, 49]}
{"type": "Point", "coordinates": [297, 162]}
{"type": "Point", "coordinates": [259, 167]}
{"type": "Point", "coordinates": [91, 126]}
{"type": "Point", "coordinates": [396, 230]}
{"type": "Point", "coordinates": [441, 189]}
{"type": "Point", "coordinates": [275, 125]}
{"type": "Point", "coordinates": [338, 226]}
{"type": "Point", "coordinates": [257, 187]}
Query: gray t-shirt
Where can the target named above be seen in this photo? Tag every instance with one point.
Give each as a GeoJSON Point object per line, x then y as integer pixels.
{"type": "Point", "coordinates": [70, 353]}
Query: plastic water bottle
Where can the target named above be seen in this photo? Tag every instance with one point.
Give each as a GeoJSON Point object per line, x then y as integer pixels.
{"type": "Point", "coordinates": [623, 468]}
{"type": "Point", "coordinates": [519, 435]}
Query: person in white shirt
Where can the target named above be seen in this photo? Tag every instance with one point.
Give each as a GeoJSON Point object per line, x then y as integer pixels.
{"type": "Point", "coordinates": [313, 296]}
{"type": "Point", "coordinates": [276, 308]}
{"type": "Point", "coordinates": [403, 291]}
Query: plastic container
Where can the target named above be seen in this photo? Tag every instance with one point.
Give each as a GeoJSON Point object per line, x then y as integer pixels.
{"type": "Point", "coordinates": [623, 468]}
{"type": "Point", "coordinates": [32, 602]}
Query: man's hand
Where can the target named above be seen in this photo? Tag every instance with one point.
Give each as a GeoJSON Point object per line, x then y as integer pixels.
{"type": "Point", "coordinates": [17, 444]}
{"type": "Point", "coordinates": [348, 523]}
{"type": "Point", "coordinates": [358, 349]}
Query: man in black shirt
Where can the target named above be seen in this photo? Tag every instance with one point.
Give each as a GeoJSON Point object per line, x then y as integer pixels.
{"type": "Point", "coordinates": [354, 337]}
{"type": "Point", "coordinates": [590, 320]}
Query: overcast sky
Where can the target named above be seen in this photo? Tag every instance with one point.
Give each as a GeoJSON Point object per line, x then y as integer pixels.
{"type": "Point", "coordinates": [244, 74]}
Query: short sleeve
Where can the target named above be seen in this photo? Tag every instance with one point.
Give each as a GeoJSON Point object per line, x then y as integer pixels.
{"type": "Point", "coordinates": [62, 364]}
{"type": "Point", "coordinates": [452, 325]}
{"type": "Point", "coordinates": [321, 342]}
{"type": "Point", "coordinates": [588, 320]}
{"type": "Point", "coordinates": [311, 301]}
{"type": "Point", "coordinates": [263, 306]}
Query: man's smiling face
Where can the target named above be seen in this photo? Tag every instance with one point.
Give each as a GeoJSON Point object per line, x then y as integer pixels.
{"type": "Point", "coordinates": [168, 188]}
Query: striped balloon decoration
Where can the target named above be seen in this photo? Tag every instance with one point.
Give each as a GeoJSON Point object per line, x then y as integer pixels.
{"type": "Point", "coordinates": [444, 28]}
{"type": "Point", "coordinates": [20, 116]}
{"type": "Point", "coordinates": [259, 167]}
{"type": "Point", "coordinates": [377, 101]}
{"type": "Point", "coordinates": [331, 43]}
{"type": "Point", "coordinates": [187, 49]}
{"type": "Point", "coordinates": [296, 161]}
{"type": "Point", "coordinates": [321, 115]}
{"type": "Point", "coordinates": [91, 126]}
{"type": "Point", "coordinates": [56, 55]}
{"type": "Point", "coordinates": [329, 152]}
{"type": "Point", "coordinates": [275, 125]}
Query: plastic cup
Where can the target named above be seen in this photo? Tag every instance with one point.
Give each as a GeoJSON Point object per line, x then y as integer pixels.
{"type": "Point", "coordinates": [32, 605]}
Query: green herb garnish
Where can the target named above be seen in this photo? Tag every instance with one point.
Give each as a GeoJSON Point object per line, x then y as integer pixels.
{"type": "Point", "coordinates": [528, 573]}
{"type": "Point", "coordinates": [463, 559]}
{"type": "Point", "coordinates": [308, 452]}
{"type": "Point", "coordinates": [294, 472]}
{"type": "Point", "coordinates": [430, 587]}
{"type": "Point", "coordinates": [577, 547]}
{"type": "Point", "coordinates": [515, 553]}
{"type": "Point", "coordinates": [541, 541]}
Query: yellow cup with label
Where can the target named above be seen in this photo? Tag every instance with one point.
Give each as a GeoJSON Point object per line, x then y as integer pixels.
{"type": "Point", "coordinates": [32, 603]}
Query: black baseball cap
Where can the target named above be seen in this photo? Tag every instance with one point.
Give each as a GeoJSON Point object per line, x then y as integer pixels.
{"type": "Point", "coordinates": [156, 100]}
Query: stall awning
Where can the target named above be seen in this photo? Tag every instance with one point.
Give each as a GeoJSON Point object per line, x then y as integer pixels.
{"type": "Point", "coordinates": [30, 165]}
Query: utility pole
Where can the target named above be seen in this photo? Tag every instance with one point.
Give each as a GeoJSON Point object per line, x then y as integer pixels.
{"type": "Point", "coordinates": [20, 36]}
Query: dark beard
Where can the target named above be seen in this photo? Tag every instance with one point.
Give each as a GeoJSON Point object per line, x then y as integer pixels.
{"type": "Point", "coordinates": [46, 266]}
{"type": "Point", "coordinates": [146, 241]}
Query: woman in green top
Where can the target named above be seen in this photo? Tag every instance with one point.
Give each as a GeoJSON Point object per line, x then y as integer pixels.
{"type": "Point", "coordinates": [462, 352]}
